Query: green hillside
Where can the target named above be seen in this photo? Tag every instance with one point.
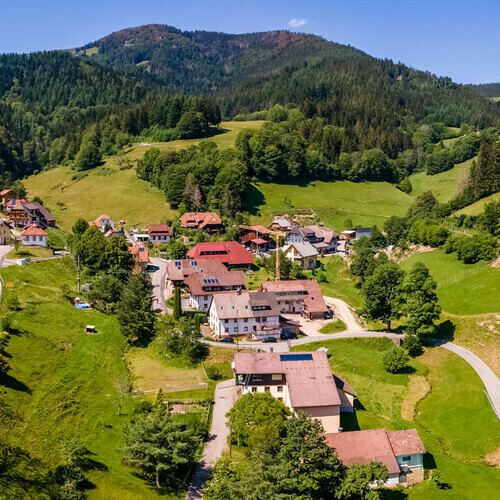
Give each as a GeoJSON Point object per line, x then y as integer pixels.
{"type": "Point", "coordinates": [114, 188]}
{"type": "Point", "coordinates": [365, 203]}
{"type": "Point", "coordinates": [477, 207]}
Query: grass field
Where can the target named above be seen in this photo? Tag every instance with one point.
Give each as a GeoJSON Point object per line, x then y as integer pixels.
{"type": "Point", "coordinates": [365, 203]}
{"type": "Point", "coordinates": [334, 327]}
{"type": "Point", "coordinates": [114, 188]}
{"type": "Point", "coordinates": [454, 419]}
{"type": "Point", "coordinates": [477, 207]}
{"type": "Point", "coordinates": [62, 381]}
{"type": "Point", "coordinates": [463, 289]}
{"type": "Point", "coordinates": [443, 185]}
{"type": "Point", "coordinates": [30, 252]}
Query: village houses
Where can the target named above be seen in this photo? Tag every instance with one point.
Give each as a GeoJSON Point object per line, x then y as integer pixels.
{"type": "Point", "coordinates": [230, 253]}
{"type": "Point", "coordinates": [207, 221]}
{"type": "Point", "coordinates": [159, 233]}
{"type": "Point", "coordinates": [301, 253]}
{"type": "Point", "coordinates": [178, 270]}
{"type": "Point", "coordinates": [103, 222]}
{"type": "Point", "coordinates": [252, 314]}
{"type": "Point", "coordinates": [25, 213]}
{"type": "Point", "coordinates": [323, 240]}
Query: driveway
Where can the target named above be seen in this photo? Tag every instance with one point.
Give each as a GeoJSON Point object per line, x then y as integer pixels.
{"type": "Point", "coordinates": [4, 250]}
{"type": "Point", "coordinates": [159, 278]}
{"type": "Point", "coordinates": [225, 397]}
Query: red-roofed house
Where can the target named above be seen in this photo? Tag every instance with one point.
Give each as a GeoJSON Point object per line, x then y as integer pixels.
{"type": "Point", "coordinates": [141, 256]}
{"type": "Point", "coordinates": [230, 253]}
{"type": "Point", "coordinates": [179, 270]}
{"type": "Point", "coordinates": [103, 222]}
{"type": "Point", "coordinates": [298, 296]}
{"type": "Point", "coordinates": [402, 452]}
{"type": "Point", "coordinates": [208, 221]}
{"type": "Point", "coordinates": [303, 381]}
{"type": "Point", "coordinates": [7, 195]}
{"type": "Point", "coordinates": [34, 236]}
{"type": "Point", "coordinates": [159, 233]}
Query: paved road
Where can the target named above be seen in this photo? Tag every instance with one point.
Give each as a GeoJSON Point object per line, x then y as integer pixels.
{"type": "Point", "coordinates": [225, 396]}
{"type": "Point", "coordinates": [159, 279]}
{"type": "Point", "coordinates": [4, 250]}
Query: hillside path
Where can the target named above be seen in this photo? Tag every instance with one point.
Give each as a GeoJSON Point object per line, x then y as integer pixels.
{"type": "Point", "coordinates": [225, 397]}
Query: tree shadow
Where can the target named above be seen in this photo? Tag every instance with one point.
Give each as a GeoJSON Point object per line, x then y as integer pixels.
{"type": "Point", "coordinates": [429, 462]}
{"type": "Point", "coordinates": [349, 422]}
{"type": "Point", "coordinates": [392, 494]}
{"type": "Point", "coordinates": [445, 331]}
{"type": "Point", "coordinates": [10, 382]}
{"type": "Point", "coordinates": [254, 199]}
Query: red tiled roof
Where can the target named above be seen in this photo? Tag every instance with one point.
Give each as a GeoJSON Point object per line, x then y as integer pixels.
{"type": "Point", "coordinates": [313, 300]}
{"type": "Point", "coordinates": [33, 230]}
{"type": "Point", "coordinates": [198, 285]}
{"type": "Point", "coordinates": [112, 232]}
{"type": "Point", "coordinates": [159, 229]}
{"type": "Point", "coordinates": [310, 382]}
{"type": "Point", "coordinates": [200, 219]}
{"type": "Point", "coordinates": [229, 252]}
{"type": "Point", "coordinates": [259, 241]}
{"type": "Point", "coordinates": [178, 270]}
{"type": "Point", "coordinates": [6, 191]}
{"type": "Point", "coordinates": [363, 447]}
{"type": "Point", "coordinates": [103, 216]}
{"type": "Point", "coordinates": [140, 253]}
{"type": "Point", "coordinates": [406, 442]}
{"type": "Point", "coordinates": [94, 223]}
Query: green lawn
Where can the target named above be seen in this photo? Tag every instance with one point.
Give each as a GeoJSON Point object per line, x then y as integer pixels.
{"type": "Point", "coordinates": [443, 185]}
{"type": "Point", "coordinates": [478, 207]}
{"type": "Point", "coordinates": [454, 418]}
{"type": "Point", "coordinates": [334, 327]}
{"type": "Point", "coordinates": [29, 251]}
{"type": "Point", "coordinates": [114, 188]}
{"type": "Point", "coordinates": [463, 289]}
{"type": "Point", "coordinates": [366, 203]}
{"type": "Point", "coordinates": [62, 381]}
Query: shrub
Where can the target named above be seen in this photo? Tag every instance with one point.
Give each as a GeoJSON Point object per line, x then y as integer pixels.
{"type": "Point", "coordinates": [396, 360]}
{"type": "Point", "coordinates": [413, 345]}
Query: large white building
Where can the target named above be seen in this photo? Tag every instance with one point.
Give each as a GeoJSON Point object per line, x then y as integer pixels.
{"type": "Point", "coordinates": [252, 314]}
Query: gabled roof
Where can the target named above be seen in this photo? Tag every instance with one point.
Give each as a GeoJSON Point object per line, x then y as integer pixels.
{"type": "Point", "coordinates": [363, 447]}
{"type": "Point", "coordinates": [103, 217]}
{"type": "Point", "coordinates": [162, 229]}
{"type": "Point", "coordinates": [281, 222]}
{"type": "Point", "coordinates": [200, 219]}
{"type": "Point", "coordinates": [229, 252]}
{"type": "Point", "coordinates": [308, 375]}
{"type": "Point", "coordinates": [260, 229]}
{"type": "Point", "coordinates": [307, 290]}
{"type": "Point", "coordinates": [34, 206]}
{"type": "Point", "coordinates": [303, 248]}
{"type": "Point", "coordinates": [112, 232]}
{"type": "Point", "coordinates": [179, 269]}
{"type": "Point", "coordinates": [140, 253]}
{"type": "Point", "coordinates": [33, 230]}
{"type": "Point", "coordinates": [6, 191]}
{"type": "Point", "coordinates": [245, 305]}
{"type": "Point", "coordinates": [200, 283]}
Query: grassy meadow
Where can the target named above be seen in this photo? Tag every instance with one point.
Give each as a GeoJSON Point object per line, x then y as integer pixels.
{"type": "Point", "coordinates": [458, 427]}
{"type": "Point", "coordinates": [463, 289]}
{"type": "Point", "coordinates": [365, 203]}
{"type": "Point", "coordinates": [478, 207]}
{"type": "Point", "coordinates": [114, 188]}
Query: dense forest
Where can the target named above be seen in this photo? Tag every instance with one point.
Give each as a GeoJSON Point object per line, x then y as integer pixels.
{"type": "Point", "coordinates": [486, 89]}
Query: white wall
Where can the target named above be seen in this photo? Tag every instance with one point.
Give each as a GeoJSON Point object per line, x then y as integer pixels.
{"type": "Point", "coordinates": [40, 241]}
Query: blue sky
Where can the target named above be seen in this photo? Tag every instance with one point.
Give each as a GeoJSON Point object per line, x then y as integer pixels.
{"type": "Point", "coordinates": [455, 38]}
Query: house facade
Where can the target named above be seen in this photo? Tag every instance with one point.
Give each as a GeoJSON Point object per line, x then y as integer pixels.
{"type": "Point", "coordinates": [252, 314]}
{"type": "Point", "coordinates": [159, 233]}
{"type": "Point", "coordinates": [323, 240]}
{"type": "Point", "coordinates": [256, 238]}
{"type": "Point", "coordinates": [4, 232]}
{"type": "Point", "coordinates": [34, 235]}
{"type": "Point", "coordinates": [207, 221]}
{"type": "Point", "coordinates": [231, 253]}
{"type": "Point", "coordinates": [298, 296]}
{"type": "Point", "coordinates": [24, 213]}
{"type": "Point", "coordinates": [357, 233]}
{"type": "Point", "coordinates": [203, 286]}
{"type": "Point", "coordinates": [7, 195]}
{"type": "Point", "coordinates": [303, 381]}
{"type": "Point", "coordinates": [303, 254]}
{"type": "Point", "coordinates": [280, 224]}
{"type": "Point", "coordinates": [402, 452]}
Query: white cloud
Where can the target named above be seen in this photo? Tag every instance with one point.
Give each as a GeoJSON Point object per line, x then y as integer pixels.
{"type": "Point", "coordinates": [297, 23]}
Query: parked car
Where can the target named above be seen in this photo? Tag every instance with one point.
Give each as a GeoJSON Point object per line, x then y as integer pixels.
{"type": "Point", "coordinates": [229, 340]}
{"type": "Point", "coordinates": [288, 335]}
{"type": "Point", "coordinates": [269, 339]}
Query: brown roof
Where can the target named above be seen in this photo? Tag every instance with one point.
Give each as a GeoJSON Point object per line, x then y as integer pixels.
{"type": "Point", "coordinates": [6, 191]}
{"type": "Point", "coordinates": [140, 253]}
{"type": "Point", "coordinates": [303, 248]}
{"type": "Point", "coordinates": [33, 230]}
{"type": "Point", "coordinates": [406, 442]}
{"type": "Point", "coordinates": [245, 305]}
{"type": "Point", "coordinates": [200, 219]}
{"type": "Point", "coordinates": [321, 232]}
{"type": "Point", "coordinates": [343, 385]}
{"type": "Point", "coordinates": [362, 447]}
{"type": "Point", "coordinates": [162, 229]}
{"type": "Point", "coordinates": [200, 283]}
{"type": "Point", "coordinates": [259, 228]}
{"type": "Point", "coordinates": [179, 270]}
{"type": "Point", "coordinates": [313, 299]}
{"type": "Point", "coordinates": [310, 382]}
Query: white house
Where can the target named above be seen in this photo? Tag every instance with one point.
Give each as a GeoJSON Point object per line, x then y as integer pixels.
{"type": "Point", "coordinates": [303, 381]}
{"type": "Point", "coordinates": [302, 253]}
{"type": "Point", "coordinates": [253, 314]}
{"type": "Point", "coordinates": [402, 452]}
{"type": "Point", "coordinates": [34, 236]}
{"type": "Point", "coordinates": [104, 223]}
{"type": "Point", "coordinates": [159, 233]}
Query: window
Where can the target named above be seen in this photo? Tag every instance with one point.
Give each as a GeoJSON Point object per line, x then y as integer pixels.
{"type": "Point", "coordinates": [256, 378]}
{"type": "Point", "coordinates": [280, 388]}
{"type": "Point", "coordinates": [276, 376]}
{"type": "Point", "coordinates": [406, 458]}
{"type": "Point", "coordinates": [245, 328]}
{"type": "Point", "coordinates": [226, 321]}
{"type": "Point", "coordinates": [280, 399]}
{"type": "Point", "coordinates": [254, 389]}
{"type": "Point", "coordinates": [267, 389]}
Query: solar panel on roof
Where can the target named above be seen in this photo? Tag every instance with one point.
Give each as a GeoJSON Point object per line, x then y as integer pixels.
{"type": "Point", "coordinates": [296, 357]}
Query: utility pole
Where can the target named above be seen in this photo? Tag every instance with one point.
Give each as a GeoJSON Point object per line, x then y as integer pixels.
{"type": "Point", "coordinates": [79, 279]}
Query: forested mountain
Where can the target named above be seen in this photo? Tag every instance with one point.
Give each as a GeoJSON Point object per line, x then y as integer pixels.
{"type": "Point", "coordinates": [486, 89]}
